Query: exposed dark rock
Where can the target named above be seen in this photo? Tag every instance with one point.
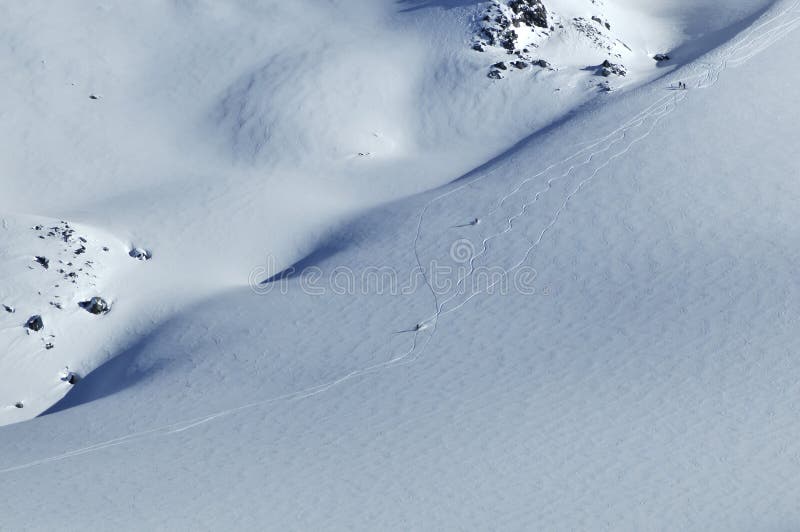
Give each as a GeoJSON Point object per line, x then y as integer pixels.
{"type": "Point", "coordinates": [140, 254]}
{"type": "Point", "coordinates": [509, 40]}
{"type": "Point", "coordinates": [8, 309]}
{"type": "Point", "coordinates": [497, 26]}
{"type": "Point", "coordinates": [96, 305]}
{"type": "Point", "coordinates": [531, 12]}
{"type": "Point", "coordinates": [542, 63]}
{"type": "Point", "coordinates": [44, 261]}
{"type": "Point", "coordinates": [601, 22]}
{"type": "Point", "coordinates": [520, 65]}
{"type": "Point", "coordinates": [607, 68]}
{"type": "Point", "coordinates": [494, 74]}
{"type": "Point", "coordinates": [661, 57]}
{"type": "Point", "coordinates": [19, 404]}
{"type": "Point", "coordinates": [34, 323]}
{"type": "Point", "coordinates": [501, 66]}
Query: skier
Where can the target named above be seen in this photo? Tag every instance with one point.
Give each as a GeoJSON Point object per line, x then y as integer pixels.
{"type": "Point", "coordinates": [68, 376]}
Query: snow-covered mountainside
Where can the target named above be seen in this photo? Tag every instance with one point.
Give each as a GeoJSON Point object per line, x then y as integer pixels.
{"type": "Point", "coordinates": [415, 264]}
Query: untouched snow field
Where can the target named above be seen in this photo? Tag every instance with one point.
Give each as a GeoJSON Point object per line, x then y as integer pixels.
{"type": "Point", "coordinates": [516, 304]}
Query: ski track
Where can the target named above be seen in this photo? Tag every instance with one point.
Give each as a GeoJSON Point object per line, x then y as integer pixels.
{"type": "Point", "coordinates": [657, 111]}
{"type": "Point", "coordinates": [709, 78]}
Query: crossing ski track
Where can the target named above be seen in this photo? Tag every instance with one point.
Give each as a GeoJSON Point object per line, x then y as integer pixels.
{"type": "Point", "coordinates": [657, 111]}
{"type": "Point", "coordinates": [760, 36]}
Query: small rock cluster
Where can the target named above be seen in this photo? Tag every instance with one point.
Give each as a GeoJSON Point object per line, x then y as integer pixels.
{"type": "Point", "coordinates": [66, 263]}
{"type": "Point", "coordinates": [496, 71]}
{"type": "Point", "coordinates": [498, 29]}
{"type": "Point", "coordinates": [71, 267]}
{"type": "Point", "coordinates": [529, 12]}
{"type": "Point", "coordinates": [595, 30]}
{"type": "Point", "coordinates": [607, 68]}
{"type": "Point", "coordinates": [602, 22]}
{"type": "Point", "coordinates": [498, 24]}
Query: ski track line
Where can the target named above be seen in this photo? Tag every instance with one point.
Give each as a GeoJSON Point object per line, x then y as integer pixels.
{"type": "Point", "coordinates": [633, 122]}
{"type": "Point", "coordinates": [558, 213]}
{"type": "Point", "coordinates": [707, 80]}
{"type": "Point", "coordinates": [509, 223]}
{"type": "Point", "coordinates": [781, 29]}
{"type": "Point", "coordinates": [711, 77]}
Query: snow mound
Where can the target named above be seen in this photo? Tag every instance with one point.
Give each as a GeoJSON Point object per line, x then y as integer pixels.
{"type": "Point", "coordinates": [49, 267]}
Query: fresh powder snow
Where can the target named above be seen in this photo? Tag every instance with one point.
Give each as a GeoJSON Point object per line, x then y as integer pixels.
{"type": "Point", "coordinates": [399, 265]}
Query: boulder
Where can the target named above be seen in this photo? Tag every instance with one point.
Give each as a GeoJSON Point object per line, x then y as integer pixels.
{"type": "Point", "coordinates": [35, 323]}
{"type": "Point", "coordinates": [96, 305]}
{"type": "Point", "coordinates": [140, 254]}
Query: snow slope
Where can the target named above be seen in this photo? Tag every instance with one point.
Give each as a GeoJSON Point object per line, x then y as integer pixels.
{"type": "Point", "coordinates": [639, 373]}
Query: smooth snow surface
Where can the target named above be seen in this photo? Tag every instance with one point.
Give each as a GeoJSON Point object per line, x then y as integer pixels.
{"type": "Point", "coordinates": [634, 369]}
